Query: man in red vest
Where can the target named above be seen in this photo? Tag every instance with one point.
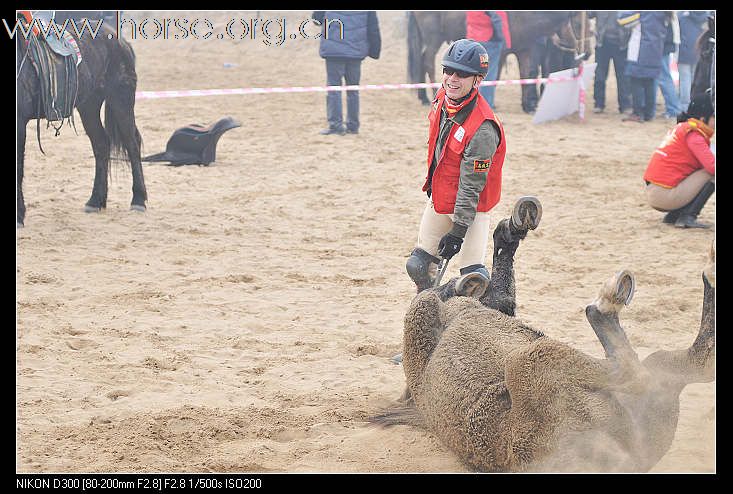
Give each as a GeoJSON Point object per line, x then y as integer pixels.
{"type": "Point", "coordinates": [466, 148]}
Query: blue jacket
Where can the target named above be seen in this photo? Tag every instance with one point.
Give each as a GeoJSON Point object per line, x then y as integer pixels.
{"type": "Point", "coordinates": [356, 36]}
{"type": "Point", "coordinates": [692, 24]}
{"type": "Point", "coordinates": [644, 53]}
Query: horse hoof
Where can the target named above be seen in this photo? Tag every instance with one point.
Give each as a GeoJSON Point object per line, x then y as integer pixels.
{"type": "Point", "coordinates": [18, 224]}
{"type": "Point", "coordinates": [619, 289]}
{"type": "Point", "coordinates": [472, 284]}
{"type": "Point", "coordinates": [92, 209]}
{"type": "Point", "coordinates": [527, 213]}
{"type": "Point", "coordinates": [138, 208]}
{"type": "Point", "coordinates": [616, 292]}
{"type": "Point", "coordinates": [397, 359]}
{"type": "Point", "coordinates": [625, 287]}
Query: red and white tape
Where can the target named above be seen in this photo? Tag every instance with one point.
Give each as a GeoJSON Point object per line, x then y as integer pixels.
{"type": "Point", "coordinates": [309, 89]}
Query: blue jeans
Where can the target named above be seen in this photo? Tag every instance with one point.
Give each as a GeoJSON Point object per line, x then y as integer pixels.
{"type": "Point", "coordinates": [493, 48]}
{"type": "Point", "coordinates": [664, 81]}
{"type": "Point", "coordinates": [336, 70]}
{"type": "Point", "coordinates": [642, 97]}
{"type": "Point", "coordinates": [686, 72]}
{"type": "Point", "coordinates": [606, 53]}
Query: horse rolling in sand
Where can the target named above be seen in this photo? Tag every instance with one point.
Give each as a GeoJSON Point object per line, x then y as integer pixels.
{"type": "Point", "coordinates": [505, 397]}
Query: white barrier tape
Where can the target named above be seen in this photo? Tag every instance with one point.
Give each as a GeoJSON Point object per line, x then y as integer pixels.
{"type": "Point", "coordinates": [308, 89]}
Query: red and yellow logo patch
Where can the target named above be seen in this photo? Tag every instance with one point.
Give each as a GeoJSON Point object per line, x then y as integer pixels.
{"type": "Point", "coordinates": [483, 60]}
{"type": "Point", "coordinates": [481, 165]}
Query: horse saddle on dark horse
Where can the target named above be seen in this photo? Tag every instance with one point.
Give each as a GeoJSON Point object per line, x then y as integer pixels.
{"type": "Point", "coordinates": [55, 59]}
{"type": "Point", "coordinates": [194, 144]}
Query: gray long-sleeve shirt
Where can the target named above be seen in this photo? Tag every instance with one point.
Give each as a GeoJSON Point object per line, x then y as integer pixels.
{"type": "Point", "coordinates": [482, 146]}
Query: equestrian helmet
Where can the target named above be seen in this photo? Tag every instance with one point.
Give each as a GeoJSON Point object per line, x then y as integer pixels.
{"type": "Point", "coordinates": [467, 55]}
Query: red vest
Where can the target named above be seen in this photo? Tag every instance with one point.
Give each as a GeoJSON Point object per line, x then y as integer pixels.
{"type": "Point", "coordinates": [673, 161]}
{"type": "Point", "coordinates": [479, 27]}
{"type": "Point", "coordinates": [448, 170]}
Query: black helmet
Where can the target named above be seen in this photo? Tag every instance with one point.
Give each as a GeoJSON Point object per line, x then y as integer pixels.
{"type": "Point", "coordinates": [467, 55]}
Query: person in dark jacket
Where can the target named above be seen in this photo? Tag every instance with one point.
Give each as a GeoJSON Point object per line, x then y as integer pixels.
{"type": "Point", "coordinates": [643, 59]}
{"type": "Point", "coordinates": [611, 44]}
{"type": "Point", "coordinates": [692, 23]}
{"type": "Point", "coordinates": [348, 37]}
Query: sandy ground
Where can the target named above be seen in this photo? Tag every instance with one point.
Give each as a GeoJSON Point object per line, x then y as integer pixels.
{"type": "Point", "coordinates": [246, 320]}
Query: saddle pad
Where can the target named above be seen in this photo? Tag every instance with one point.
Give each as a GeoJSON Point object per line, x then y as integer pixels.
{"type": "Point", "coordinates": [58, 80]}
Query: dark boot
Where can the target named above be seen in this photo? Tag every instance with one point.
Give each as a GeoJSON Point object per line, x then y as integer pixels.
{"type": "Point", "coordinates": [418, 268]}
{"type": "Point", "coordinates": [688, 214]}
{"type": "Point", "coordinates": [671, 217]}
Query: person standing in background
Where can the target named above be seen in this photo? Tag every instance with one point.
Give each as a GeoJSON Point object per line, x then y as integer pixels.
{"type": "Point", "coordinates": [643, 59]}
{"type": "Point", "coordinates": [692, 23]}
{"type": "Point", "coordinates": [348, 37]}
{"type": "Point", "coordinates": [664, 80]}
{"type": "Point", "coordinates": [611, 44]}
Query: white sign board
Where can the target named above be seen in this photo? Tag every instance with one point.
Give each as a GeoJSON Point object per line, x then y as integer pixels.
{"type": "Point", "coordinates": [561, 98]}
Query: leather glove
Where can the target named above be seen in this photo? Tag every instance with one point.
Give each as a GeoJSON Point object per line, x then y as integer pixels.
{"type": "Point", "coordinates": [449, 246]}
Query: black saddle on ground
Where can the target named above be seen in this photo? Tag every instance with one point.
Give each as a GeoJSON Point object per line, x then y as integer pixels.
{"type": "Point", "coordinates": [194, 144]}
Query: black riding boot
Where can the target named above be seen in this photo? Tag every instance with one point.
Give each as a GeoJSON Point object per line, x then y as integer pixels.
{"type": "Point", "coordinates": [671, 217]}
{"type": "Point", "coordinates": [418, 268]}
{"type": "Point", "coordinates": [688, 214]}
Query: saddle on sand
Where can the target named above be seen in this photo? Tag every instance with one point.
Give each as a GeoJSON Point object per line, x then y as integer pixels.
{"type": "Point", "coordinates": [194, 144]}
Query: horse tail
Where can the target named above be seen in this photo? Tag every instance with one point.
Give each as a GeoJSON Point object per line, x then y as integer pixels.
{"type": "Point", "coordinates": [402, 412]}
{"type": "Point", "coordinates": [119, 113]}
{"type": "Point", "coordinates": [415, 69]}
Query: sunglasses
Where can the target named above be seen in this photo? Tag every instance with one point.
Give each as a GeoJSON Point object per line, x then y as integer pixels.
{"type": "Point", "coordinates": [460, 73]}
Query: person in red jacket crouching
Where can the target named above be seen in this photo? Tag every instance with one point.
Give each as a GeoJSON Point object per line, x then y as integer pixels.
{"type": "Point", "coordinates": [680, 177]}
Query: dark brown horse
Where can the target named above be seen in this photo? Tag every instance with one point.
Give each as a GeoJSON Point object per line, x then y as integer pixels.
{"type": "Point", "coordinates": [106, 75]}
{"type": "Point", "coordinates": [427, 31]}
{"type": "Point", "coordinates": [704, 77]}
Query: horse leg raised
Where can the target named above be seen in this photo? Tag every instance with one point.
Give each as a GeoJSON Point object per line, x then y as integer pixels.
{"type": "Point", "coordinates": [551, 383]}
{"type": "Point", "coordinates": [501, 292]}
{"type": "Point", "coordinates": [89, 113]}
